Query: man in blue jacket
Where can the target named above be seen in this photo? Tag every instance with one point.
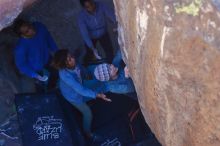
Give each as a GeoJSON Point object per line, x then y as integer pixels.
{"type": "Point", "coordinates": [33, 51]}
{"type": "Point", "coordinates": [93, 27]}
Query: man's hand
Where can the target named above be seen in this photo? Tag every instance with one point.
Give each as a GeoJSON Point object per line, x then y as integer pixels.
{"type": "Point", "coordinates": [42, 78]}
{"type": "Point", "coordinates": [103, 97]}
{"type": "Point", "coordinates": [95, 52]}
{"type": "Point", "coordinates": [127, 74]}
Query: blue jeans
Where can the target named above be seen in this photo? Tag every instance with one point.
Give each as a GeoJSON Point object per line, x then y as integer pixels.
{"type": "Point", "coordinates": [120, 86]}
{"type": "Point", "coordinates": [85, 110]}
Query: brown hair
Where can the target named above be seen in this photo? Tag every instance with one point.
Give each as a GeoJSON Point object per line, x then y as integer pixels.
{"type": "Point", "coordinates": [18, 23]}
{"type": "Point", "coordinates": [60, 58]}
{"type": "Point", "coordinates": [82, 2]}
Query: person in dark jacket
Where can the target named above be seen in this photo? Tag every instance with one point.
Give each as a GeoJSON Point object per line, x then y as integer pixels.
{"type": "Point", "coordinates": [33, 51]}
{"type": "Point", "coordinates": [92, 22]}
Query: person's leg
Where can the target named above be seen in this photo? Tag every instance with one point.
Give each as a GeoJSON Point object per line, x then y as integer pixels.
{"type": "Point", "coordinates": [87, 116]}
{"type": "Point", "coordinates": [121, 85]}
{"type": "Point", "coordinates": [87, 120]}
{"type": "Point", "coordinates": [53, 78]}
{"type": "Point", "coordinates": [41, 87]}
{"type": "Point", "coordinates": [89, 56]}
{"type": "Point", "coordinates": [117, 60]}
{"type": "Point", "coordinates": [28, 85]}
{"type": "Point", "coordinates": [106, 44]}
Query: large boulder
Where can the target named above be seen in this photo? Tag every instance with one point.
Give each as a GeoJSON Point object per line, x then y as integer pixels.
{"type": "Point", "coordinates": [10, 9]}
{"type": "Point", "coordinates": [172, 49]}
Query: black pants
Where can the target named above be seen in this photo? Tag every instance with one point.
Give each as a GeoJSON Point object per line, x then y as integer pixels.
{"type": "Point", "coordinates": [52, 80]}
{"type": "Point", "coordinates": [106, 44]}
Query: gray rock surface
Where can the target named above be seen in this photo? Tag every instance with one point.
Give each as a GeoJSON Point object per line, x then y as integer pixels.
{"type": "Point", "coordinates": [10, 9]}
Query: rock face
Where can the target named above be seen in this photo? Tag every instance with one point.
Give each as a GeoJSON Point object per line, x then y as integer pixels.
{"type": "Point", "coordinates": [10, 9]}
{"type": "Point", "coordinates": [172, 49]}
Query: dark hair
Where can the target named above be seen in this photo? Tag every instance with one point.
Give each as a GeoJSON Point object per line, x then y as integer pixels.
{"type": "Point", "coordinates": [82, 2]}
{"type": "Point", "coordinates": [18, 23]}
{"type": "Point", "coordinates": [60, 58]}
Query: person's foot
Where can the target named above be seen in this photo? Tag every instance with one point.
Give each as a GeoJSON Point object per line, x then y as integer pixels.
{"type": "Point", "coordinates": [96, 138]}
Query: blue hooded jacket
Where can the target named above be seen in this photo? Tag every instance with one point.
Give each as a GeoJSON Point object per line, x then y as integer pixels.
{"type": "Point", "coordinates": [32, 54]}
{"type": "Point", "coordinates": [71, 85]}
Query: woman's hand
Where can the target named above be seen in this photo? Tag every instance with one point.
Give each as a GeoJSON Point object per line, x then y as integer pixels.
{"type": "Point", "coordinates": [103, 97]}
